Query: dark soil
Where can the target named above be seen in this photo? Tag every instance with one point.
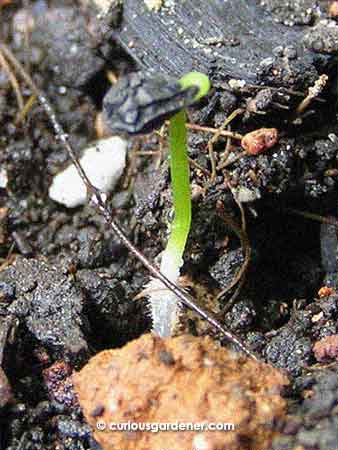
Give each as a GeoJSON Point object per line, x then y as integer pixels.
{"type": "Point", "coordinates": [67, 286]}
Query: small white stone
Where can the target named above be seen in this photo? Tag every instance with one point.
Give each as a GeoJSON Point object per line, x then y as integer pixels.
{"type": "Point", "coordinates": [3, 178]}
{"type": "Point", "coordinates": [245, 195]}
{"type": "Point", "coordinates": [153, 5]}
{"type": "Point", "coordinates": [103, 163]}
{"type": "Point", "coordinates": [236, 84]}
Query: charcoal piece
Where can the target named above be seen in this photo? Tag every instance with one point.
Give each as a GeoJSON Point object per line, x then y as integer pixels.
{"type": "Point", "coordinates": [232, 38]}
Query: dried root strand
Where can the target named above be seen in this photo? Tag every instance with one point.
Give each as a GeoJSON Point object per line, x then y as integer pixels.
{"type": "Point", "coordinates": [314, 91]}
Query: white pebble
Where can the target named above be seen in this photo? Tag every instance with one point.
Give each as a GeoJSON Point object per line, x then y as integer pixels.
{"type": "Point", "coordinates": [245, 195]}
{"type": "Point", "coordinates": [103, 163]}
{"type": "Point", "coordinates": [3, 178]}
{"type": "Point", "coordinates": [153, 5]}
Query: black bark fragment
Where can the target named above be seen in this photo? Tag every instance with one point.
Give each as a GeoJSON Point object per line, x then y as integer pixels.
{"type": "Point", "coordinates": [238, 35]}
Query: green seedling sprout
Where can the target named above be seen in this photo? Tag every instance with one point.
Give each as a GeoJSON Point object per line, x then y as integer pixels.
{"type": "Point", "coordinates": [138, 104]}
{"type": "Point", "coordinates": [98, 202]}
{"type": "Point", "coordinates": [164, 305]}
{"type": "Point", "coordinates": [180, 173]}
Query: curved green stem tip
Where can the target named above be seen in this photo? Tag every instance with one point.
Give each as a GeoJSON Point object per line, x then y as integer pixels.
{"type": "Point", "coordinates": [197, 79]}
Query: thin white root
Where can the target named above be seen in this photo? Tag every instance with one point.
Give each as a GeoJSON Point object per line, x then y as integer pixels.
{"type": "Point", "coordinates": [164, 304]}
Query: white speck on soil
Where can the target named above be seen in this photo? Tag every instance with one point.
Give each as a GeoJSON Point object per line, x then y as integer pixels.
{"type": "Point", "coordinates": [153, 5]}
{"type": "Point", "coordinates": [3, 178]}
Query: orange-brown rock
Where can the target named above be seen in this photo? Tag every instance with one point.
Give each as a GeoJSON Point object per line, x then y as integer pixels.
{"type": "Point", "coordinates": [180, 380]}
{"type": "Point", "coordinates": [326, 348]}
{"type": "Point", "coordinates": [333, 9]}
{"type": "Point", "coordinates": [258, 141]}
{"type": "Point", "coordinates": [325, 292]}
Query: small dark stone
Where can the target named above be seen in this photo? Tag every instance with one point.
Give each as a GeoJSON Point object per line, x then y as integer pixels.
{"type": "Point", "coordinates": [227, 101]}
{"type": "Point", "coordinates": [256, 341]}
{"type": "Point", "coordinates": [289, 350]}
{"type": "Point", "coordinates": [290, 52]}
{"type": "Point", "coordinates": [59, 384]}
{"type": "Point", "coordinates": [92, 250]}
{"type": "Point", "coordinates": [261, 101]}
{"type": "Point", "coordinates": [329, 306]}
{"type": "Point", "coordinates": [72, 428]}
{"type": "Point", "coordinates": [292, 426]}
{"type": "Point", "coordinates": [98, 411]}
{"type": "Point", "coordinates": [225, 269]}
{"type": "Point", "coordinates": [7, 291]}
{"type": "Point", "coordinates": [166, 357]}
{"type": "Point", "coordinates": [241, 316]}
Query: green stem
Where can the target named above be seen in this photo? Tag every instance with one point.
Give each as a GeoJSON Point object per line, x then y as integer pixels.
{"type": "Point", "coordinates": [180, 180]}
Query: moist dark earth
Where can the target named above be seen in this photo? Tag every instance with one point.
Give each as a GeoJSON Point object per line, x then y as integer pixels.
{"type": "Point", "coordinates": [67, 286]}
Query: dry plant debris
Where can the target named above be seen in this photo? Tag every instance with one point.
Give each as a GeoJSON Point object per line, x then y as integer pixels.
{"type": "Point", "coordinates": [5, 389]}
{"type": "Point", "coordinates": [184, 379]}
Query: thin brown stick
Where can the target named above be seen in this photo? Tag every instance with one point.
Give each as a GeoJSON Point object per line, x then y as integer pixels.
{"type": "Point", "coordinates": [20, 117]}
{"type": "Point", "coordinates": [312, 216]}
{"type": "Point", "coordinates": [227, 162]}
{"type": "Point", "coordinates": [245, 243]}
{"type": "Point", "coordinates": [280, 89]}
{"type": "Point", "coordinates": [199, 167]}
{"type": "Point", "coordinates": [13, 81]}
{"type": "Point", "coordinates": [161, 142]}
{"type": "Point", "coordinates": [240, 275]}
{"type": "Point", "coordinates": [215, 138]}
{"type": "Point", "coordinates": [227, 148]}
{"type": "Point", "coordinates": [147, 153]}
{"type": "Point", "coordinates": [223, 133]}
{"type": "Point", "coordinates": [9, 258]}
{"type": "Point", "coordinates": [212, 161]}
{"type": "Point", "coordinates": [131, 166]}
